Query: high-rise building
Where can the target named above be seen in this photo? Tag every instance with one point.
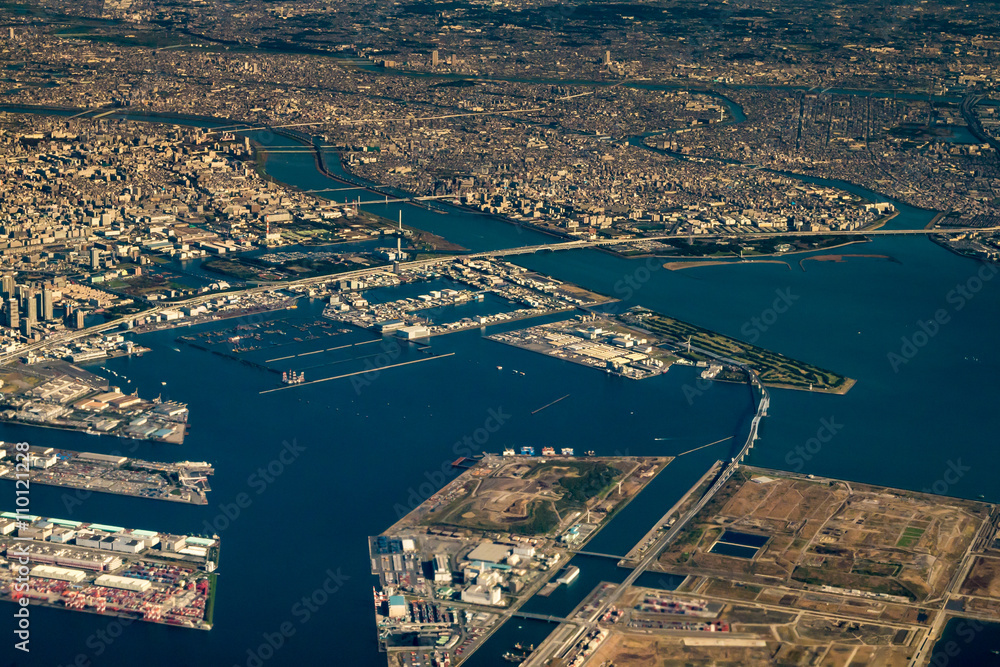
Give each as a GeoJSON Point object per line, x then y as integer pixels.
{"type": "Point", "coordinates": [31, 308]}
{"type": "Point", "coordinates": [48, 304]}
{"type": "Point", "coordinates": [95, 258]}
{"type": "Point", "coordinates": [26, 326]}
{"type": "Point", "coordinates": [12, 313]}
{"type": "Point", "coordinates": [8, 285]}
{"type": "Point", "coordinates": [434, 58]}
{"type": "Point", "coordinates": [80, 319]}
{"type": "Point", "coordinates": [607, 57]}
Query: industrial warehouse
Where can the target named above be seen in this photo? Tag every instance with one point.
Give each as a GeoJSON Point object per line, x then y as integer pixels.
{"type": "Point", "coordinates": [138, 574]}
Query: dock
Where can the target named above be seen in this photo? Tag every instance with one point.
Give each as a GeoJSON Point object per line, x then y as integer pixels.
{"type": "Point", "coordinates": [182, 482]}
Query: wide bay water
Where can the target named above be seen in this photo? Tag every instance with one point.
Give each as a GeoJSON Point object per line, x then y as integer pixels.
{"type": "Point", "coordinates": [376, 446]}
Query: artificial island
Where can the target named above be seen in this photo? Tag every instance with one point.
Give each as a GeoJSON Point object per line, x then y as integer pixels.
{"type": "Point", "coordinates": [720, 144]}
{"type": "Point", "coordinates": [756, 566]}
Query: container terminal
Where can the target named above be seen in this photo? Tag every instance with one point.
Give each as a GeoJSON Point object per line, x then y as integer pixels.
{"type": "Point", "coordinates": [109, 570]}
{"type": "Point", "coordinates": [183, 481]}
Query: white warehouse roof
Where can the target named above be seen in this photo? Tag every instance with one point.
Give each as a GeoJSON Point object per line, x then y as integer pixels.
{"type": "Point", "coordinates": [127, 583]}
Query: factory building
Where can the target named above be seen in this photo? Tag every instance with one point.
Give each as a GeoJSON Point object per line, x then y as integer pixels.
{"type": "Point", "coordinates": [62, 535]}
{"type": "Point", "coordinates": [149, 537]}
{"type": "Point", "coordinates": [39, 530]}
{"type": "Point", "coordinates": [489, 552]}
{"type": "Point", "coordinates": [172, 542]}
{"type": "Point", "coordinates": [525, 551]}
{"type": "Point", "coordinates": [103, 458]}
{"type": "Point", "coordinates": [397, 606]}
{"type": "Point", "coordinates": [43, 462]}
{"type": "Point", "coordinates": [481, 595]}
{"type": "Point", "coordinates": [59, 573]}
{"type": "Point", "coordinates": [413, 332]}
{"type": "Point", "coordinates": [52, 554]}
{"type": "Point", "coordinates": [442, 573]}
{"type": "Point", "coordinates": [88, 540]}
{"type": "Point", "coordinates": [127, 545]}
{"type": "Point", "coordinates": [124, 583]}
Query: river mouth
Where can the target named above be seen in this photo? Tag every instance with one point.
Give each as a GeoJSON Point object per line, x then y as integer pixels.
{"type": "Point", "coordinates": [902, 424]}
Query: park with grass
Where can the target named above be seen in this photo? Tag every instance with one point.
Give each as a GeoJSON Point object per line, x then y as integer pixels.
{"type": "Point", "coordinates": [775, 370]}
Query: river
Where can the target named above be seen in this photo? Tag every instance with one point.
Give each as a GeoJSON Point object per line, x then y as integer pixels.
{"type": "Point", "coordinates": [372, 449]}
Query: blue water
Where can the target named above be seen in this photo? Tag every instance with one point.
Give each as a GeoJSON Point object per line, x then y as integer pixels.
{"type": "Point", "coordinates": [378, 445]}
{"type": "Point", "coordinates": [744, 539]}
{"type": "Point", "coordinates": [967, 643]}
{"type": "Point", "coordinates": [661, 580]}
{"type": "Point", "coordinates": [733, 550]}
{"type": "Point", "coordinates": [518, 631]}
{"type": "Point", "coordinates": [490, 305]}
{"type": "Point", "coordinates": [373, 450]}
{"type": "Point", "coordinates": [593, 571]}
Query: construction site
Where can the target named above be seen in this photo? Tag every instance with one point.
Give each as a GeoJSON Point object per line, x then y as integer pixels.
{"type": "Point", "coordinates": [791, 569]}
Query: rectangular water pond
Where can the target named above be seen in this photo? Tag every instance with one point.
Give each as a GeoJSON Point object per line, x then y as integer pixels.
{"type": "Point", "coordinates": [733, 550]}
{"type": "Point", "coordinates": [744, 539]}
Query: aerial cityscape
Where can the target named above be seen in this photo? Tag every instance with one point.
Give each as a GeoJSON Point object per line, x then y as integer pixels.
{"type": "Point", "coordinates": [584, 334]}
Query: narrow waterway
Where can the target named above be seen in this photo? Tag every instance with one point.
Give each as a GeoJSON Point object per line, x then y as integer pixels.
{"type": "Point", "coordinates": [372, 449]}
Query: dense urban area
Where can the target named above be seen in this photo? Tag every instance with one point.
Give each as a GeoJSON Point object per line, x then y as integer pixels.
{"type": "Point", "coordinates": [142, 149]}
